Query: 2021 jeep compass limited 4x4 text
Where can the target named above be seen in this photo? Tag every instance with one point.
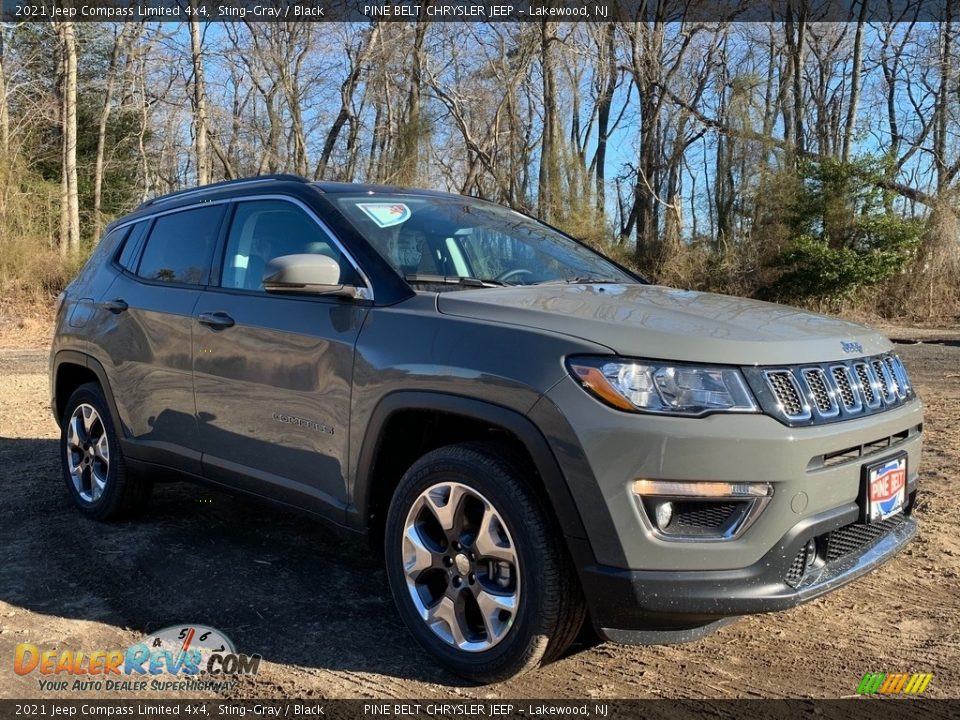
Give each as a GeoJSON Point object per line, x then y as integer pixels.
{"type": "Point", "coordinates": [537, 436]}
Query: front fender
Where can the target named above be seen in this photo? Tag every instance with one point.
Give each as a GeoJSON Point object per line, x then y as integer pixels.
{"type": "Point", "coordinates": [520, 426]}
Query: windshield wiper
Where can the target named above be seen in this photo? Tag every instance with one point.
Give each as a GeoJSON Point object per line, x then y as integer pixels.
{"type": "Point", "coordinates": [452, 280]}
{"type": "Point", "coordinates": [580, 279]}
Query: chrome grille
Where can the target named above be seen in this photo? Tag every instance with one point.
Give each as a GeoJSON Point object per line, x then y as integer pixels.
{"type": "Point", "coordinates": [899, 386]}
{"type": "Point", "coordinates": [867, 384]}
{"type": "Point", "coordinates": [883, 380]}
{"type": "Point", "coordinates": [849, 392]}
{"type": "Point", "coordinates": [823, 396]}
{"type": "Point", "coordinates": [901, 374]}
{"type": "Point", "coordinates": [811, 394]}
{"type": "Point", "coordinates": [787, 394]}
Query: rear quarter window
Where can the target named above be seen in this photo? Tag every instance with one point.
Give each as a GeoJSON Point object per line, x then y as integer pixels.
{"type": "Point", "coordinates": [131, 247]}
{"type": "Point", "coordinates": [105, 249]}
{"type": "Point", "coordinates": [181, 245]}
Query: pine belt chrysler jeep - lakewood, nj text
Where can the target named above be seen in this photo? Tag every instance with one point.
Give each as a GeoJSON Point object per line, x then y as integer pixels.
{"type": "Point", "coordinates": [534, 435]}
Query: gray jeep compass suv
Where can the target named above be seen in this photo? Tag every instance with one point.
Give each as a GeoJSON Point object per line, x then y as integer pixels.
{"type": "Point", "coordinates": [535, 434]}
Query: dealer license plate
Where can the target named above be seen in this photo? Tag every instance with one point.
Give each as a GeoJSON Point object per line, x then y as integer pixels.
{"type": "Point", "coordinates": [886, 488]}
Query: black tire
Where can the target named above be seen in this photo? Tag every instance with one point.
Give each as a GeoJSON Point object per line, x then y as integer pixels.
{"type": "Point", "coordinates": [123, 494]}
{"type": "Point", "coordinates": [550, 607]}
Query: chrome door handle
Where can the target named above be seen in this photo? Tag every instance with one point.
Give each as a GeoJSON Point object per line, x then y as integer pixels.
{"type": "Point", "coordinates": [216, 320]}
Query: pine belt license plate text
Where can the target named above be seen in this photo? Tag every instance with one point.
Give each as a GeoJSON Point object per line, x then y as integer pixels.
{"type": "Point", "coordinates": [886, 488]}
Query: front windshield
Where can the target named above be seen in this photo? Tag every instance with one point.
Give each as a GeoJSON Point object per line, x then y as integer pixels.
{"type": "Point", "coordinates": [467, 242]}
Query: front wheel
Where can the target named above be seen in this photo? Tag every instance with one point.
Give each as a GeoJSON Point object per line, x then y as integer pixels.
{"type": "Point", "coordinates": [477, 568]}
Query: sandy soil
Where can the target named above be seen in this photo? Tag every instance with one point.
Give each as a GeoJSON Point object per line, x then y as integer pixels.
{"type": "Point", "coordinates": [315, 604]}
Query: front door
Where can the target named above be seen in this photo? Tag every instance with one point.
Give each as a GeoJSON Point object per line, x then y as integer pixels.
{"type": "Point", "coordinates": [272, 373]}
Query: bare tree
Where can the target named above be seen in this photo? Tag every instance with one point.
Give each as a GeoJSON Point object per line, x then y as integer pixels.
{"type": "Point", "coordinates": [4, 107]}
{"type": "Point", "coordinates": [795, 27]}
{"type": "Point", "coordinates": [548, 138]}
{"type": "Point", "coordinates": [358, 57]}
{"type": "Point", "coordinates": [606, 76]}
{"type": "Point", "coordinates": [122, 37]}
{"type": "Point", "coordinates": [411, 133]}
{"type": "Point", "coordinates": [199, 99]}
{"type": "Point", "coordinates": [853, 104]}
{"type": "Point", "coordinates": [69, 196]}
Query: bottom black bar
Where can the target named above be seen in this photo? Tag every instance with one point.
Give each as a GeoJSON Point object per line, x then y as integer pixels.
{"type": "Point", "coordinates": [868, 708]}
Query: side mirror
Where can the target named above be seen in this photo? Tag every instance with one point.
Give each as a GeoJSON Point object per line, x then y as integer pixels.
{"type": "Point", "coordinates": [312, 274]}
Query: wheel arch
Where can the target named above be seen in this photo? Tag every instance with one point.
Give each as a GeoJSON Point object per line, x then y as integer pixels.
{"type": "Point", "coordinates": [401, 421]}
{"type": "Point", "coordinates": [71, 369]}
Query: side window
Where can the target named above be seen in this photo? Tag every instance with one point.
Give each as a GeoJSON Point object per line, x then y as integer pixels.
{"type": "Point", "coordinates": [181, 245]}
{"type": "Point", "coordinates": [131, 248]}
{"type": "Point", "coordinates": [266, 229]}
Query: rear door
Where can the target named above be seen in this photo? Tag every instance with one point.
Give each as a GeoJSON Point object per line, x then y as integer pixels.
{"type": "Point", "coordinates": [273, 372]}
{"type": "Point", "coordinates": [165, 262]}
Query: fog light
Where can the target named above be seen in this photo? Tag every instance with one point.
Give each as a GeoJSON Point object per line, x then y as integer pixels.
{"type": "Point", "coordinates": [811, 552]}
{"type": "Point", "coordinates": [664, 514]}
{"type": "Point", "coordinates": [701, 510]}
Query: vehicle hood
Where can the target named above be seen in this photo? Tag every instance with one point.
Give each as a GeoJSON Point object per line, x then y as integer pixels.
{"type": "Point", "coordinates": [650, 321]}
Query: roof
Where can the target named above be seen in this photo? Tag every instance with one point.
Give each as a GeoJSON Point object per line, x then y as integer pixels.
{"type": "Point", "coordinates": [261, 180]}
{"type": "Point", "coordinates": [335, 188]}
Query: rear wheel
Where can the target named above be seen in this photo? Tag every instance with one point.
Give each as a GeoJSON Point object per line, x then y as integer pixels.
{"type": "Point", "coordinates": [92, 462]}
{"type": "Point", "coordinates": [477, 568]}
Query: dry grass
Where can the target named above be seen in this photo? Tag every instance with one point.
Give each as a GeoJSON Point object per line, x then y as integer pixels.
{"type": "Point", "coordinates": [32, 271]}
{"type": "Point", "coordinates": [931, 288]}
{"type": "Point", "coordinates": [25, 327]}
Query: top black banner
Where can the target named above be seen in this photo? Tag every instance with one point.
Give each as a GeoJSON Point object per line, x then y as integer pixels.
{"type": "Point", "coordinates": [482, 10]}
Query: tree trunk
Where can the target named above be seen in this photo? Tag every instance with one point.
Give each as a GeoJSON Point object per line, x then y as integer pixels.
{"type": "Point", "coordinates": [118, 43]}
{"type": "Point", "coordinates": [199, 101]}
{"type": "Point", "coordinates": [144, 117]}
{"type": "Point", "coordinates": [411, 131]}
{"type": "Point", "coordinates": [798, 104]}
{"type": "Point", "coordinates": [647, 54]}
{"type": "Point", "coordinates": [69, 197]}
{"type": "Point", "coordinates": [291, 58]}
{"type": "Point", "coordinates": [548, 160]}
{"type": "Point", "coordinates": [942, 111]}
{"type": "Point", "coordinates": [855, 82]}
{"type": "Point", "coordinates": [796, 31]}
{"type": "Point", "coordinates": [604, 103]}
{"type": "Point", "coordinates": [4, 108]}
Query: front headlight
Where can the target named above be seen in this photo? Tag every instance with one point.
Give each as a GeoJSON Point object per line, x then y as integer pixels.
{"type": "Point", "coordinates": [665, 388]}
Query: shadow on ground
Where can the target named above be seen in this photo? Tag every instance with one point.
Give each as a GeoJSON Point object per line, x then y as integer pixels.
{"type": "Point", "coordinates": [283, 585]}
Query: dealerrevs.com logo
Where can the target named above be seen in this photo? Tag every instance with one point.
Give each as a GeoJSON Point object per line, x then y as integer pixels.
{"type": "Point", "coordinates": [177, 658]}
{"type": "Point", "coordinates": [894, 683]}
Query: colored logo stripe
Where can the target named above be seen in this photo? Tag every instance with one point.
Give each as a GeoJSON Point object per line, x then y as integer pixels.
{"type": "Point", "coordinates": [894, 683]}
{"type": "Point", "coordinates": [918, 683]}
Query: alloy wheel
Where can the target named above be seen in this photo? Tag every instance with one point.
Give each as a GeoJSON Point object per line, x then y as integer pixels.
{"type": "Point", "coordinates": [88, 452]}
{"type": "Point", "coordinates": [461, 566]}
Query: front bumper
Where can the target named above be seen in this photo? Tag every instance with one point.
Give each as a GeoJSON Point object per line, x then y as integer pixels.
{"type": "Point", "coordinates": [652, 607]}
{"type": "Point", "coordinates": [643, 587]}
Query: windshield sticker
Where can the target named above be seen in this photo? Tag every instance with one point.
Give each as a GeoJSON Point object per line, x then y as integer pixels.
{"type": "Point", "coordinates": [386, 214]}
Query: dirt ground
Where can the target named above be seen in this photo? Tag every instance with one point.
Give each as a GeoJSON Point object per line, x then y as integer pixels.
{"type": "Point", "coordinates": [315, 604]}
